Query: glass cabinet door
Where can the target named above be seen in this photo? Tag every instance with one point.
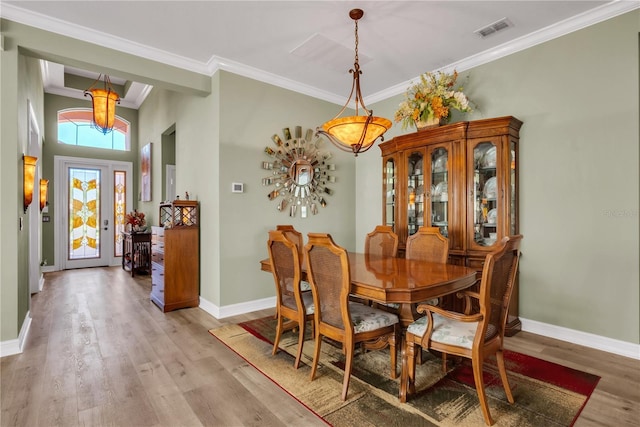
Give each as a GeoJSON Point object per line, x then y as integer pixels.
{"type": "Point", "coordinates": [439, 191]}
{"type": "Point", "coordinates": [389, 191]}
{"type": "Point", "coordinates": [485, 190]}
{"type": "Point", "coordinates": [415, 191]}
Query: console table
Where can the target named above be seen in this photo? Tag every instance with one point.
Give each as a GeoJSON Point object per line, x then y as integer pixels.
{"type": "Point", "coordinates": [136, 252]}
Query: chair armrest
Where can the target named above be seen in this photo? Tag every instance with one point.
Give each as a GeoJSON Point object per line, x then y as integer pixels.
{"type": "Point", "coordinates": [467, 295]}
{"type": "Point", "coordinates": [428, 309]}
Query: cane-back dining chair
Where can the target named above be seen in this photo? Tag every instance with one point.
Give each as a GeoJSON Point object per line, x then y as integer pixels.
{"type": "Point", "coordinates": [296, 237]}
{"type": "Point", "coordinates": [382, 241]}
{"type": "Point", "coordinates": [427, 244]}
{"type": "Point", "coordinates": [292, 304]}
{"type": "Point", "coordinates": [472, 335]}
{"type": "Point", "coordinates": [338, 318]}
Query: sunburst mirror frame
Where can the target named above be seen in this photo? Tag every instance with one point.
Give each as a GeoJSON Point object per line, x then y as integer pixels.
{"type": "Point", "coordinates": [299, 172]}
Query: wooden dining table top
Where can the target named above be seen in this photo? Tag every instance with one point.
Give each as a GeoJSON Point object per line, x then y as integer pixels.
{"type": "Point", "coordinates": [402, 281]}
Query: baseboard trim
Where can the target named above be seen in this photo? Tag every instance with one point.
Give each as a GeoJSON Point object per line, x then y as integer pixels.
{"type": "Point", "coordinates": [11, 347]}
{"type": "Point", "coordinates": [586, 339]}
{"type": "Point", "coordinates": [236, 309]}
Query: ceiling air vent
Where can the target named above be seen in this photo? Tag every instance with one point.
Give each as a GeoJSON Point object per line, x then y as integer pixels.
{"type": "Point", "coordinates": [500, 25]}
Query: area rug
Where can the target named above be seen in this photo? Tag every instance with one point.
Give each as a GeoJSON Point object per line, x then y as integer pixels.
{"type": "Point", "coordinates": [546, 394]}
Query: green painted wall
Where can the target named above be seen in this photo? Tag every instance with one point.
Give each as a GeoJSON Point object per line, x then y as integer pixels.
{"type": "Point", "coordinates": [578, 98]}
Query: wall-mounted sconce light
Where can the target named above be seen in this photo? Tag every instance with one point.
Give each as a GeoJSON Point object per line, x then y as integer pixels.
{"type": "Point", "coordinates": [29, 173]}
{"type": "Point", "coordinates": [44, 189]}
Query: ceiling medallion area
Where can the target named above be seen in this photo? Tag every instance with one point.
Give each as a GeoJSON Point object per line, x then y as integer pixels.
{"type": "Point", "coordinates": [299, 172]}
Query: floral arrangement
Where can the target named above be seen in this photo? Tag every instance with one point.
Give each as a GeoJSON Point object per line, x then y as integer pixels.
{"type": "Point", "coordinates": [135, 219]}
{"type": "Point", "coordinates": [431, 100]}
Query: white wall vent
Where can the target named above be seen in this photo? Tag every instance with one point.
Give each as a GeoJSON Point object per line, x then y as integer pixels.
{"type": "Point", "coordinates": [499, 25]}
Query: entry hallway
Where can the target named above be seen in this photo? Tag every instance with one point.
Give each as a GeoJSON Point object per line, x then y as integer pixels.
{"type": "Point", "coordinates": [100, 353]}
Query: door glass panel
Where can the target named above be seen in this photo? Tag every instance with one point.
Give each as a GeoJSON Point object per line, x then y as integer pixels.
{"type": "Point", "coordinates": [84, 213]}
{"type": "Point", "coordinates": [440, 190]}
{"type": "Point", "coordinates": [485, 194]}
{"type": "Point", "coordinates": [415, 193]}
{"type": "Point", "coordinates": [119, 208]}
{"type": "Point", "coordinates": [390, 192]}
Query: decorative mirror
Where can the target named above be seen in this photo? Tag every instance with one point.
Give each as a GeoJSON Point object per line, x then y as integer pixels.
{"type": "Point", "coordinates": [299, 173]}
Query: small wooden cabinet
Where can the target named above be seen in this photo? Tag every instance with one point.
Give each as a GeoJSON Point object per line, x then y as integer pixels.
{"type": "Point", "coordinates": [462, 178]}
{"type": "Point", "coordinates": [175, 259]}
{"type": "Point", "coordinates": [136, 252]}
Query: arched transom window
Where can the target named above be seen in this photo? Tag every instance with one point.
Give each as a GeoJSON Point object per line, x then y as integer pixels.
{"type": "Point", "coordinates": [74, 128]}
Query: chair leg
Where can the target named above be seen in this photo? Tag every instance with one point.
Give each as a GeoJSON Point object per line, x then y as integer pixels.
{"type": "Point", "coordinates": [444, 363]}
{"type": "Point", "coordinates": [276, 340]}
{"type": "Point", "coordinates": [316, 355]}
{"type": "Point", "coordinates": [407, 375]}
{"type": "Point", "coordinates": [477, 363]}
{"type": "Point", "coordinates": [301, 326]}
{"type": "Point", "coordinates": [503, 376]}
{"type": "Point", "coordinates": [350, 349]}
{"type": "Point", "coordinates": [394, 355]}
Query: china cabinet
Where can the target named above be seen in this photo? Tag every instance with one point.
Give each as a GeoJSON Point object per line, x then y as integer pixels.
{"type": "Point", "coordinates": [462, 178]}
{"type": "Point", "coordinates": [175, 256]}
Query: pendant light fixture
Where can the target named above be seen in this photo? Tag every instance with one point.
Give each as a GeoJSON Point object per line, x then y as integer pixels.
{"type": "Point", "coordinates": [355, 133]}
{"type": "Point", "coordinates": [104, 102]}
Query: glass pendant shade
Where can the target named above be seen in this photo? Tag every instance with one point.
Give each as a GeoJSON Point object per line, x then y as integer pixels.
{"type": "Point", "coordinates": [356, 133]}
{"type": "Point", "coordinates": [104, 102]}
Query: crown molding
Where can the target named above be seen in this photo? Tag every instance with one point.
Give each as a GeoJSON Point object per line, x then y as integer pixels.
{"type": "Point", "coordinates": [215, 63]}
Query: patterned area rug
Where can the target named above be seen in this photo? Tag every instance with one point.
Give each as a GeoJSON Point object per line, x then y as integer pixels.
{"type": "Point", "coordinates": [546, 394]}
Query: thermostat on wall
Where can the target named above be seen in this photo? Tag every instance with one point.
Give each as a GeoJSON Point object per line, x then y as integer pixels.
{"type": "Point", "coordinates": [237, 187]}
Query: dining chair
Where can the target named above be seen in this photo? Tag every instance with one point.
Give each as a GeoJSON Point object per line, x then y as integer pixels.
{"type": "Point", "coordinates": [427, 244]}
{"type": "Point", "coordinates": [296, 237]}
{"type": "Point", "coordinates": [382, 241]}
{"type": "Point", "coordinates": [291, 303]}
{"type": "Point", "coordinates": [338, 318]}
{"type": "Point", "coordinates": [474, 334]}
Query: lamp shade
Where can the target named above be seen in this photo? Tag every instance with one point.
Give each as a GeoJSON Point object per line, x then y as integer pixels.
{"type": "Point", "coordinates": [104, 108]}
{"type": "Point", "coordinates": [356, 133]}
{"type": "Point", "coordinates": [44, 187]}
{"type": "Point", "coordinates": [29, 173]}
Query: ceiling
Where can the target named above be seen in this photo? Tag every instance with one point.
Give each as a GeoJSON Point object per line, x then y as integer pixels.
{"type": "Point", "coordinates": [308, 46]}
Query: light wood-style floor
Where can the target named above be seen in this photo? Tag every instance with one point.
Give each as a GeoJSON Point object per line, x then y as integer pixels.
{"type": "Point", "coordinates": [99, 353]}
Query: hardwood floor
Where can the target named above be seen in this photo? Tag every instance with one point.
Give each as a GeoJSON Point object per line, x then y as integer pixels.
{"type": "Point", "coordinates": [99, 353]}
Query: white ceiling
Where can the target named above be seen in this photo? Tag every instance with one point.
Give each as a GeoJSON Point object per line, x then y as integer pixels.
{"type": "Point", "coordinates": [398, 40]}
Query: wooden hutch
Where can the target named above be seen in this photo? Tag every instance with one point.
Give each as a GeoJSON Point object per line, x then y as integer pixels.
{"type": "Point", "coordinates": [175, 259]}
{"type": "Point", "coordinates": [462, 178]}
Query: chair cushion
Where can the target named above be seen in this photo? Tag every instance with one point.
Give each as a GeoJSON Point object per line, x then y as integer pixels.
{"type": "Point", "coordinates": [307, 298]}
{"type": "Point", "coordinates": [393, 305]}
{"type": "Point", "coordinates": [366, 318]}
{"type": "Point", "coordinates": [305, 286]}
{"type": "Point", "coordinates": [446, 331]}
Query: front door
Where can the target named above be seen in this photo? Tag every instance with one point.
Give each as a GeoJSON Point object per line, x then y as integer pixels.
{"type": "Point", "coordinates": [86, 232]}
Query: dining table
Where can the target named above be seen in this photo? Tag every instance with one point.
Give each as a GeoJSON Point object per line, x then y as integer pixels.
{"type": "Point", "coordinates": [401, 281]}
